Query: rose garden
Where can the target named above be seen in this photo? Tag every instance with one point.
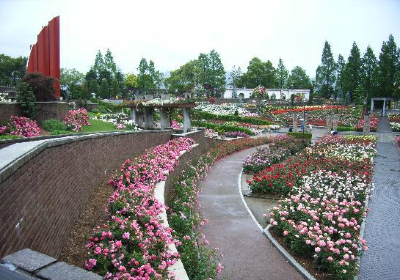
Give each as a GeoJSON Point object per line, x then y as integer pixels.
{"type": "Point", "coordinates": [180, 183]}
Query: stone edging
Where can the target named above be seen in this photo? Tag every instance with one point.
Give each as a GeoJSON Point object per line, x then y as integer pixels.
{"type": "Point", "coordinates": [265, 231]}
{"type": "Point", "coordinates": [15, 164]}
{"type": "Point", "coordinates": [177, 268]}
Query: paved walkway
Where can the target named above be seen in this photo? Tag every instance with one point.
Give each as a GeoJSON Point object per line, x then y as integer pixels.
{"type": "Point", "coordinates": [248, 254]}
{"type": "Point", "coordinates": [382, 231]}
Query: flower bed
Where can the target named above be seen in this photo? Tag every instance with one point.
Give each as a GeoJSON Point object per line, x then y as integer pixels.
{"type": "Point", "coordinates": [76, 119]}
{"type": "Point", "coordinates": [281, 147]}
{"type": "Point", "coordinates": [120, 120]}
{"type": "Point", "coordinates": [374, 123]}
{"type": "Point", "coordinates": [222, 110]}
{"type": "Point", "coordinates": [394, 120]}
{"type": "Point", "coordinates": [133, 242]}
{"type": "Point", "coordinates": [235, 134]}
{"type": "Point", "coordinates": [321, 216]}
{"type": "Point", "coordinates": [20, 126]}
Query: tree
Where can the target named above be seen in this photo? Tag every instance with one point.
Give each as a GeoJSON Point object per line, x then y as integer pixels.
{"type": "Point", "coordinates": [104, 89]}
{"type": "Point", "coordinates": [186, 78]}
{"type": "Point", "coordinates": [12, 70]}
{"type": "Point", "coordinates": [341, 63]}
{"type": "Point", "coordinates": [114, 88]}
{"type": "Point", "coordinates": [26, 100]}
{"type": "Point", "coordinates": [282, 74]}
{"type": "Point", "coordinates": [71, 81]}
{"type": "Point", "coordinates": [389, 69]}
{"type": "Point", "coordinates": [109, 63]}
{"type": "Point", "coordinates": [352, 71]}
{"type": "Point", "coordinates": [259, 74]}
{"type": "Point", "coordinates": [298, 78]}
{"type": "Point", "coordinates": [235, 75]}
{"type": "Point", "coordinates": [212, 73]}
{"type": "Point", "coordinates": [325, 74]}
{"type": "Point", "coordinates": [94, 88]}
{"type": "Point", "coordinates": [145, 79]}
{"type": "Point", "coordinates": [368, 73]}
{"type": "Point", "coordinates": [131, 81]}
{"type": "Point", "coordinates": [98, 66]}
{"type": "Point", "coordinates": [41, 85]}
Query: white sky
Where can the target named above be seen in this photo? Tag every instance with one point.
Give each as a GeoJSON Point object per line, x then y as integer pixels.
{"type": "Point", "coordinates": [173, 32]}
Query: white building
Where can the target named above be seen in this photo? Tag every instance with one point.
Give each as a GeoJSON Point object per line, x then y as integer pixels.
{"type": "Point", "coordinates": [273, 93]}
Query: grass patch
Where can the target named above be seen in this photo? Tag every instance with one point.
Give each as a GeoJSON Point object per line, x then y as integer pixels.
{"type": "Point", "coordinates": [98, 126]}
{"type": "Point", "coordinates": [9, 136]}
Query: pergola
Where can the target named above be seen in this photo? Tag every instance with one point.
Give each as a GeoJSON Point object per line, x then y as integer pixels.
{"type": "Point", "coordinates": [384, 99]}
{"type": "Point", "coordinates": [138, 111]}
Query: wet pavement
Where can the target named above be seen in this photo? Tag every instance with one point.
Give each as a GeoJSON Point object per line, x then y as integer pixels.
{"type": "Point", "coordinates": [247, 253]}
{"type": "Point", "coordinates": [382, 231]}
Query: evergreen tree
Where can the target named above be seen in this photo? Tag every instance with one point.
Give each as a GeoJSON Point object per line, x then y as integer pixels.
{"type": "Point", "coordinates": [339, 92]}
{"type": "Point", "coordinates": [352, 71]}
{"type": "Point", "coordinates": [234, 78]}
{"type": "Point", "coordinates": [109, 62]}
{"type": "Point", "coordinates": [104, 89]}
{"type": "Point", "coordinates": [212, 73]}
{"type": "Point", "coordinates": [282, 74]}
{"type": "Point", "coordinates": [114, 88]}
{"type": "Point", "coordinates": [368, 73]}
{"type": "Point", "coordinates": [326, 73]}
{"type": "Point", "coordinates": [389, 69]}
{"type": "Point", "coordinates": [98, 66]}
{"type": "Point", "coordinates": [259, 73]}
{"type": "Point", "coordinates": [94, 88]}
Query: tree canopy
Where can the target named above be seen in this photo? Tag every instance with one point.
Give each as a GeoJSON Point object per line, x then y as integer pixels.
{"type": "Point", "coordinates": [298, 78]}
{"type": "Point", "coordinates": [12, 70]}
{"type": "Point", "coordinates": [326, 73]}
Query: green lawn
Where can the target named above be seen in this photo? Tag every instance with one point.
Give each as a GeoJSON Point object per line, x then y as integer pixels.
{"type": "Point", "coordinates": [98, 126]}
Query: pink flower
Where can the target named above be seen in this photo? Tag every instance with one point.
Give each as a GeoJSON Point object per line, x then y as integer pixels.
{"type": "Point", "coordinates": [285, 232]}
{"type": "Point", "coordinates": [330, 259]}
{"type": "Point", "coordinates": [317, 249]}
{"type": "Point", "coordinates": [125, 235]}
{"type": "Point", "coordinates": [118, 243]}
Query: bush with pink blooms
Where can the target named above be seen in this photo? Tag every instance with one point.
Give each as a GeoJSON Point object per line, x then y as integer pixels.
{"type": "Point", "coordinates": [21, 126]}
{"type": "Point", "coordinates": [133, 244]}
{"type": "Point", "coordinates": [76, 119]}
{"type": "Point", "coordinates": [322, 215]}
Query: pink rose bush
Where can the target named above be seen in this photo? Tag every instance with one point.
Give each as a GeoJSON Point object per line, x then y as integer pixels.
{"type": "Point", "coordinates": [21, 126]}
{"type": "Point", "coordinates": [176, 125]}
{"type": "Point", "coordinates": [133, 244]}
{"type": "Point", "coordinates": [322, 215]}
{"type": "Point", "coordinates": [76, 119]}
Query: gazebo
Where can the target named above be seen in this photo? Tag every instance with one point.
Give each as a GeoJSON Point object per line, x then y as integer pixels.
{"type": "Point", "coordinates": [384, 99]}
{"type": "Point", "coordinates": [140, 110]}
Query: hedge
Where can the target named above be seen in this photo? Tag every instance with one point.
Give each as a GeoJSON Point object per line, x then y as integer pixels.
{"type": "Point", "coordinates": [229, 118]}
{"type": "Point", "coordinates": [300, 135]}
{"type": "Point", "coordinates": [224, 127]}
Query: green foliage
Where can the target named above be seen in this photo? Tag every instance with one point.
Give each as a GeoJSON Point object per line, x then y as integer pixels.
{"type": "Point", "coordinates": [226, 128]}
{"type": "Point", "coordinates": [389, 69]}
{"type": "Point", "coordinates": [53, 125]}
{"type": "Point", "coordinates": [12, 70]}
{"type": "Point", "coordinates": [131, 81]}
{"type": "Point", "coordinates": [368, 73]}
{"type": "Point", "coordinates": [9, 136]}
{"type": "Point", "coordinates": [212, 73]}
{"type": "Point", "coordinates": [104, 89]}
{"type": "Point", "coordinates": [300, 135]}
{"type": "Point", "coordinates": [282, 74]}
{"type": "Point", "coordinates": [259, 73]}
{"type": "Point", "coordinates": [236, 75]}
{"type": "Point", "coordinates": [41, 85]}
{"type": "Point", "coordinates": [326, 73]}
{"type": "Point", "coordinates": [298, 78]}
{"type": "Point", "coordinates": [71, 81]}
{"type": "Point", "coordinates": [185, 78]}
{"type": "Point", "coordinates": [26, 100]}
{"type": "Point", "coordinates": [352, 71]}
{"type": "Point", "coordinates": [148, 78]}
{"type": "Point", "coordinates": [60, 132]}
{"type": "Point", "coordinates": [98, 126]}
{"type": "Point", "coordinates": [208, 116]}
{"type": "Point", "coordinates": [339, 90]}
{"type": "Point", "coordinates": [345, 128]}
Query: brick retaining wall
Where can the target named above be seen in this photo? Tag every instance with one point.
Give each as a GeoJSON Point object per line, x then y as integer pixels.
{"type": "Point", "coordinates": [40, 201]}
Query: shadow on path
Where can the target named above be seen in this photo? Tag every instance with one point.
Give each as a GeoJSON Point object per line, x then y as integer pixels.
{"type": "Point", "coordinates": [248, 254]}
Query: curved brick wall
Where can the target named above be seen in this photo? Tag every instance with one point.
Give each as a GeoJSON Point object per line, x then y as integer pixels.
{"type": "Point", "coordinates": [42, 194]}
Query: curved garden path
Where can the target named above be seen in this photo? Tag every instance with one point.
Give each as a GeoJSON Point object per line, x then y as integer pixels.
{"type": "Point", "coordinates": [247, 253]}
{"type": "Point", "coordinates": [382, 230]}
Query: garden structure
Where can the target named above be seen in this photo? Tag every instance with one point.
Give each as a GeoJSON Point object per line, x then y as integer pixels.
{"type": "Point", "coordinates": [385, 100]}
{"type": "Point", "coordinates": [145, 111]}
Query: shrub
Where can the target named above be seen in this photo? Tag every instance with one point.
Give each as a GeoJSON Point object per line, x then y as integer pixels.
{"type": "Point", "coordinates": [224, 127]}
{"type": "Point", "coordinates": [75, 119]}
{"type": "Point", "coordinates": [345, 128]}
{"type": "Point", "coordinates": [26, 100]}
{"type": "Point", "coordinates": [53, 125]}
{"type": "Point", "coordinates": [41, 85]}
{"type": "Point", "coordinates": [23, 126]}
{"type": "Point", "coordinates": [301, 135]}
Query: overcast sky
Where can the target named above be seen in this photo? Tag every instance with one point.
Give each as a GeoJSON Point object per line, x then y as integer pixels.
{"type": "Point", "coordinates": [173, 32]}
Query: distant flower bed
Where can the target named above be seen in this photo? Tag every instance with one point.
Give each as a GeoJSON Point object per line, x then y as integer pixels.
{"type": "Point", "coordinates": [374, 124]}
{"type": "Point", "coordinates": [280, 148]}
{"type": "Point", "coordinates": [120, 120]}
{"type": "Point", "coordinates": [325, 189]}
{"type": "Point", "coordinates": [20, 126]}
{"type": "Point", "coordinates": [210, 133]}
{"type": "Point", "coordinates": [133, 244]}
{"type": "Point", "coordinates": [76, 119]}
{"type": "Point", "coordinates": [224, 109]}
{"type": "Point", "coordinates": [394, 120]}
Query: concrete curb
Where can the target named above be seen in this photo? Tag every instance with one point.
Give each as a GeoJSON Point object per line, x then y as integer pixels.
{"type": "Point", "coordinates": [265, 231]}
{"type": "Point", "coordinates": [178, 267]}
